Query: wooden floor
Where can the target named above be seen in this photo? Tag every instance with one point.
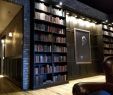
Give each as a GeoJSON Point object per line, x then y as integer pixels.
{"type": "Point", "coordinates": [8, 88]}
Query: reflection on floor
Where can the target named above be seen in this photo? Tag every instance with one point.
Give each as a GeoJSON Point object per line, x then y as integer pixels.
{"type": "Point", "coordinates": [7, 88]}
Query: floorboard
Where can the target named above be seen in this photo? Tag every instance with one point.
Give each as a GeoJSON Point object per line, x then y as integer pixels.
{"type": "Point", "coordinates": [8, 88]}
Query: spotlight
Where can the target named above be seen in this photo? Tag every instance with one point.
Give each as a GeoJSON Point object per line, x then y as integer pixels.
{"type": "Point", "coordinates": [76, 16]}
{"type": "Point", "coordinates": [2, 41]}
{"type": "Point", "coordinates": [60, 3]}
{"type": "Point", "coordinates": [67, 13]}
{"type": "Point", "coordinates": [10, 34]}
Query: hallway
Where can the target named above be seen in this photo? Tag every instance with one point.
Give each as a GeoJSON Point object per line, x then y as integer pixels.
{"type": "Point", "coordinates": [8, 88]}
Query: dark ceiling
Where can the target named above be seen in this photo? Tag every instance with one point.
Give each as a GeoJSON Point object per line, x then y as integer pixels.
{"type": "Point", "coordinates": [105, 6]}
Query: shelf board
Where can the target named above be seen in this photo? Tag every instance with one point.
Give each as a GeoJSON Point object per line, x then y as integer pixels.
{"type": "Point", "coordinates": [36, 52]}
{"type": "Point", "coordinates": [43, 74]}
{"type": "Point", "coordinates": [60, 72]}
{"type": "Point", "coordinates": [45, 32]}
{"type": "Point", "coordinates": [108, 48]}
{"type": "Point", "coordinates": [63, 44]}
{"type": "Point", "coordinates": [47, 22]}
{"type": "Point", "coordinates": [108, 42]}
{"type": "Point", "coordinates": [108, 36]}
{"type": "Point", "coordinates": [41, 31]}
{"type": "Point", "coordinates": [59, 52]}
{"type": "Point", "coordinates": [44, 42]}
{"type": "Point", "coordinates": [107, 30]}
{"type": "Point", "coordinates": [62, 35]}
{"type": "Point", "coordinates": [37, 64]}
{"type": "Point", "coordinates": [108, 54]}
{"type": "Point", "coordinates": [59, 62]}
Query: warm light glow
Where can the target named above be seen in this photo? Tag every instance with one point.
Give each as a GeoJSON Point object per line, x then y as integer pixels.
{"type": "Point", "coordinates": [42, 6]}
{"type": "Point", "coordinates": [67, 13]}
{"type": "Point", "coordinates": [92, 24]}
{"type": "Point", "coordinates": [87, 23]}
{"type": "Point", "coordinates": [106, 21]}
{"type": "Point", "coordinates": [60, 3]}
{"type": "Point", "coordinates": [10, 34]}
{"type": "Point", "coordinates": [83, 18]}
{"type": "Point", "coordinates": [81, 22]}
{"type": "Point", "coordinates": [1, 76]}
{"type": "Point", "coordinates": [2, 41]}
{"type": "Point", "coordinates": [76, 16]}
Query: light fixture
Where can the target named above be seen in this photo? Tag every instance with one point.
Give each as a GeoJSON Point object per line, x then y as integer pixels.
{"type": "Point", "coordinates": [106, 21]}
{"type": "Point", "coordinates": [41, 0]}
{"type": "Point", "coordinates": [76, 16]}
{"type": "Point", "coordinates": [10, 34]}
{"type": "Point", "coordinates": [2, 41]}
{"type": "Point", "coordinates": [67, 13]}
{"type": "Point", "coordinates": [60, 3]}
{"type": "Point", "coordinates": [83, 18]}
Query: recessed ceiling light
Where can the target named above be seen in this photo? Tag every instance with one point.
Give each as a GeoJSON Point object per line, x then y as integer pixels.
{"type": "Point", "coordinates": [60, 3]}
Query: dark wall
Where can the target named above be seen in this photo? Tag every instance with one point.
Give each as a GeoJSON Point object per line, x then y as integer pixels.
{"type": "Point", "coordinates": [83, 70]}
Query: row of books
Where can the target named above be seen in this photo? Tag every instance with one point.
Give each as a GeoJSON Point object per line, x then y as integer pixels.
{"type": "Point", "coordinates": [42, 59]}
{"type": "Point", "coordinates": [108, 33]}
{"type": "Point", "coordinates": [108, 51]}
{"type": "Point", "coordinates": [43, 7]}
{"type": "Point", "coordinates": [60, 68]}
{"type": "Point", "coordinates": [106, 39]}
{"type": "Point", "coordinates": [48, 48]}
{"type": "Point", "coordinates": [43, 79]}
{"type": "Point", "coordinates": [108, 27]}
{"type": "Point", "coordinates": [58, 78]}
{"type": "Point", "coordinates": [43, 69]}
{"type": "Point", "coordinates": [60, 39]}
{"type": "Point", "coordinates": [49, 18]}
{"type": "Point", "coordinates": [108, 45]}
{"type": "Point", "coordinates": [45, 38]}
{"type": "Point", "coordinates": [48, 28]}
{"type": "Point", "coordinates": [48, 38]}
{"type": "Point", "coordinates": [42, 48]}
{"type": "Point", "coordinates": [59, 58]}
{"type": "Point", "coordinates": [59, 49]}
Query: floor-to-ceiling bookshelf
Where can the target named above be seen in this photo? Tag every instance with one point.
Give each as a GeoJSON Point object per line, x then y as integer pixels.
{"type": "Point", "coordinates": [108, 40]}
{"type": "Point", "coordinates": [48, 44]}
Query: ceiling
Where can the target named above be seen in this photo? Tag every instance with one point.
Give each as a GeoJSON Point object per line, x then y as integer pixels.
{"type": "Point", "coordinates": [105, 6]}
{"type": "Point", "coordinates": [7, 13]}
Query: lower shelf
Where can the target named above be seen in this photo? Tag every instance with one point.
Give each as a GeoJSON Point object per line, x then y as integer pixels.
{"type": "Point", "coordinates": [50, 84]}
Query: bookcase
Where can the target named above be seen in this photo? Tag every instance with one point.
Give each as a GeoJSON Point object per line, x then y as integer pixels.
{"type": "Point", "coordinates": [48, 44]}
{"type": "Point", "coordinates": [108, 40]}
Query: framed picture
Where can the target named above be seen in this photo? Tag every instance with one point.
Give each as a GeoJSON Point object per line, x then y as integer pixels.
{"type": "Point", "coordinates": [82, 46]}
